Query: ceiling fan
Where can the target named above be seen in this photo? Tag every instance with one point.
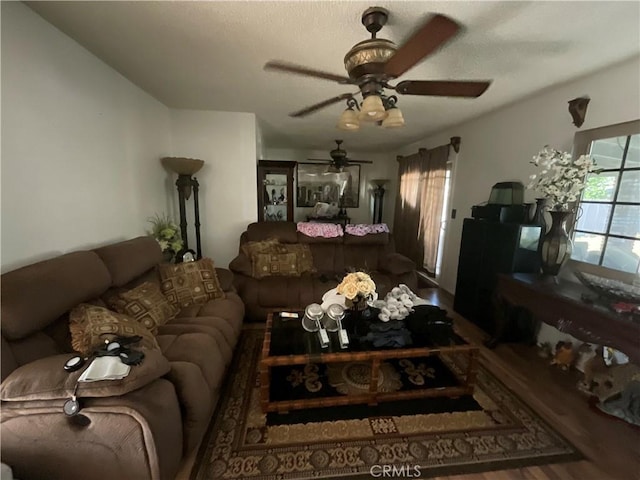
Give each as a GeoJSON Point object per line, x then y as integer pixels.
{"type": "Point", "coordinates": [373, 63]}
{"type": "Point", "coordinates": [339, 159]}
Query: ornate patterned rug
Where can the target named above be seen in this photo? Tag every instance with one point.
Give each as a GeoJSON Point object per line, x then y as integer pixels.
{"type": "Point", "coordinates": [492, 430]}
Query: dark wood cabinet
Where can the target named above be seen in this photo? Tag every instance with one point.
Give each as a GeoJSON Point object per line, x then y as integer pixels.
{"type": "Point", "coordinates": [275, 191]}
{"type": "Point", "coordinates": [487, 249]}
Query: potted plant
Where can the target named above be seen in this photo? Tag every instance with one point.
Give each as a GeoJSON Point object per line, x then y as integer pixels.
{"type": "Point", "coordinates": [167, 234]}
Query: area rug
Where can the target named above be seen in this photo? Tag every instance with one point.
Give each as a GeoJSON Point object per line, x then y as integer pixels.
{"type": "Point", "coordinates": [491, 430]}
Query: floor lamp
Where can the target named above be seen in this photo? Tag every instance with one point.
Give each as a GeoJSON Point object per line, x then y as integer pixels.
{"type": "Point", "coordinates": [378, 196]}
{"type": "Point", "coordinates": [186, 183]}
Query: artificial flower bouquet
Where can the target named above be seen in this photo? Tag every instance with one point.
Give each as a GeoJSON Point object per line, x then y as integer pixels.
{"type": "Point", "coordinates": [357, 286]}
{"type": "Point", "coordinates": [397, 304]}
{"type": "Point", "coordinates": [561, 180]}
{"type": "Point", "coordinates": [166, 232]}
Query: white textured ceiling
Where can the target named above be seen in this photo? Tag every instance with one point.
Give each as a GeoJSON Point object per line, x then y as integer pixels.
{"type": "Point", "coordinates": [209, 55]}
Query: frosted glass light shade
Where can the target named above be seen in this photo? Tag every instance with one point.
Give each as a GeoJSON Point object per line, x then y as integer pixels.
{"type": "Point", "coordinates": [394, 119]}
{"type": "Point", "coordinates": [348, 120]}
{"type": "Point", "coordinates": [182, 166]}
{"type": "Point", "coordinates": [372, 109]}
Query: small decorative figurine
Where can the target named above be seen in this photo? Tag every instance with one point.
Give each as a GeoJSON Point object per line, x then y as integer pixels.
{"type": "Point", "coordinates": [564, 355]}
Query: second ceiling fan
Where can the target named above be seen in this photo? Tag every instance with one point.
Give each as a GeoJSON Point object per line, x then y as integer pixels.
{"type": "Point", "coordinates": [339, 159]}
{"type": "Point", "coordinates": [373, 63]}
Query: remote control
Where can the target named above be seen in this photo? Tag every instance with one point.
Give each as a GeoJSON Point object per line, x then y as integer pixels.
{"type": "Point", "coordinates": [288, 315]}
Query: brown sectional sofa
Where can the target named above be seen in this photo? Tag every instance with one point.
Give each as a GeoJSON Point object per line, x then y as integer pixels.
{"type": "Point", "coordinates": [332, 258]}
{"type": "Point", "coordinates": [140, 427]}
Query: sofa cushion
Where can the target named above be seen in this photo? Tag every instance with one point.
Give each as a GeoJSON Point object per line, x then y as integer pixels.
{"type": "Point", "coordinates": [131, 258]}
{"type": "Point", "coordinates": [370, 239]}
{"type": "Point", "coordinates": [145, 304]}
{"type": "Point", "coordinates": [190, 282]}
{"type": "Point", "coordinates": [285, 232]}
{"type": "Point", "coordinates": [396, 264]}
{"type": "Point", "coordinates": [90, 326]}
{"type": "Point", "coordinates": [275, 264]}
{"type": "Point", "coordinates": [46, 379]}
{"type": "Point", "coordinates": [36, 295]}
{"type": "Point", "coordinates": [242, 265]}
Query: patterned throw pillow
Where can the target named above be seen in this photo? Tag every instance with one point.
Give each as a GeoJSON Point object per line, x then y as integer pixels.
{"type": "Point", "coordinates": [190, 283]}
{"type": "Point", "coordinates": [264, 246]}
{"type": "Point", "coordinates": [275, 264]}
{"type": "Point", "coordinates": [90, 326]}
{"type": "Point", "coordinates": [303, 252]}
{"type": "Point", "coordinates": [146, 304]}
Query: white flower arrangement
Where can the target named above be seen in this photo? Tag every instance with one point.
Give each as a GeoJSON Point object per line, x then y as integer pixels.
{"type": "Point", "coordinates": [166, 232]}
{"type": "Point", "coordinates": [561, 181]}
{"type": "Point", "coordinates": [357, 284]}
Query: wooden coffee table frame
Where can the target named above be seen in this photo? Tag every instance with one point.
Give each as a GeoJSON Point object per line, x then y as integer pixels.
{"type": "Point", "coordinates": [375, 357]}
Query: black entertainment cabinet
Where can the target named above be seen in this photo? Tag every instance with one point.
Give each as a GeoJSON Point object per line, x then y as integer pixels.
{"type": "Point", "coordinates": [488, 248]}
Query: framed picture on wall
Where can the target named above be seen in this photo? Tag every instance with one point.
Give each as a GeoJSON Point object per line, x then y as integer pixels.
{"type": "Point", "coordinates": [317, 184]}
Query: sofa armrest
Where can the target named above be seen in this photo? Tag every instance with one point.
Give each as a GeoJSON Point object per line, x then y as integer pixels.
{"type": "Point", "coordinates": [45, 379]}
{"type": "Point", "coordinates": [242, 265]}
{"type": "Point", "coordinates": [225, 278]}
{"type": "Point", "coordinates": [396, 264]}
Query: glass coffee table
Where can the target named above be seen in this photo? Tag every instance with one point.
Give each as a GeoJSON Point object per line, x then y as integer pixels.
{"type": "Point", "coordinates": [293, 356]}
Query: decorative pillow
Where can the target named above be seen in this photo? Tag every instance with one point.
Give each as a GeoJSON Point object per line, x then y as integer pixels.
{"type": "Point", "coordinates": [362, 229]}
{"type": "Point", "coordinates": [264, 246]}
{"type": "Point", "coordinates": [146, 304]}
{"type": "Point", "coordinates": [190, 283]}
{"type": "Point", "coordinates": [275, 264]}
{"type": "Point", "coordinates": [90, 326]}
{"type": "Point", "coordinates": [303, 252]}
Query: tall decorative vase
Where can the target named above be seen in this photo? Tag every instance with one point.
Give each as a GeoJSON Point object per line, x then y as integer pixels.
{"type": "Point", "coordinates": [538, 216]}
{"type": "Point", "coordinates": [556, 244]}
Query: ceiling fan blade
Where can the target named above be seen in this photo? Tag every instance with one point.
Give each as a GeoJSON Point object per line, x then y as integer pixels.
{"type": "Point", "coordinates": [318, 106]}
{"type": "Point", "coordinates": [319, 160]}
{"type": "Point", "coordinates": [426, 40]}
{"type": "Point", "coordinates": [442, 88]}
{"type": "Point", "coordinates": [309, 72]}
{"type": "Point", "coordinates": [358, 161]}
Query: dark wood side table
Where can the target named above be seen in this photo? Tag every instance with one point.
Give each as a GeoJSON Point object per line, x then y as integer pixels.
{"type": "Point", "coordinates": [558, 302]}
{"type": "Point", "coordinates": [340, 220]}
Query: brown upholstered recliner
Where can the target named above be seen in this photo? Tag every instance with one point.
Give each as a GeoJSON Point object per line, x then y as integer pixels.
{"type": "Point", "coordinates": [140, 427]}
{"type": "Point", "coordinates": [332, 258]}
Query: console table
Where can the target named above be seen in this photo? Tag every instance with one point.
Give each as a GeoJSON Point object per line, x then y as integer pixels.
{"type": "Point", "coordinates": [559, 303]}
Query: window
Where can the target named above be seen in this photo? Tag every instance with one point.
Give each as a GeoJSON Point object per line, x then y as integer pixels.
{"type": "Point", "coordinates": [607, 230]}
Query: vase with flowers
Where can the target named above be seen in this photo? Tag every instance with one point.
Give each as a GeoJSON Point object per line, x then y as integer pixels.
{"type": "Point", "coordinates": [358, 289]}
{"type": "Point", "coordinates": [561, 181]}
{"type": "Point", "coordinates": [167, 234]}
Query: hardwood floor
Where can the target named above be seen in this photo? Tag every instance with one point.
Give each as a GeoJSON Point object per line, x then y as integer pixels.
{"type": "Point", "coordinates": [611, 446]}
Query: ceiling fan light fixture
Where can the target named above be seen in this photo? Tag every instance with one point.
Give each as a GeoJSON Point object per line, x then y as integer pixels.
{"type": "Point", "coordinates": [348, 120]}
{"type": "Point", "coordinates": [372, 109]}
{"type": "Point", "coordinates": [394, 119]}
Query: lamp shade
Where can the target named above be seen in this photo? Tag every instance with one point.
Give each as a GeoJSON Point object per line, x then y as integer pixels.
{"type": "Point", "coordinates": [182, 165]}
{"type": "Point", "coordinates": [394, 119]}
{"type": "Point", "coordinates": [348, 120]}
{"type": "Point", "coordinates": [372, 109]}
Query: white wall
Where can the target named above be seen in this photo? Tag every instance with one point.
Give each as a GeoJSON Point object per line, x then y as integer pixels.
{"type": "Point", "coordinates": [498, 146]}
{"type": "Point", "coordinates": [80, 145]}
{"type": "Point", "coordinates": [383, 166]}
{"type": "Point", "coordinates": [226, 141]}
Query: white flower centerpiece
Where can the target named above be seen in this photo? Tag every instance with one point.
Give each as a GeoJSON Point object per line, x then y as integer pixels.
{"type": "Point", "coordinates": [561, 180]}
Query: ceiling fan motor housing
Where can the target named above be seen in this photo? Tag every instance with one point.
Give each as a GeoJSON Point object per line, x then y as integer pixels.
{"type": "Point", "coordinates": [368, 57]}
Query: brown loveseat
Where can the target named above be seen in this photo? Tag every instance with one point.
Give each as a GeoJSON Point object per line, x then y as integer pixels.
{"type": "Point", "coordinates": [140, 427]}
{"type": "Point", "coordinates": [332, 258]}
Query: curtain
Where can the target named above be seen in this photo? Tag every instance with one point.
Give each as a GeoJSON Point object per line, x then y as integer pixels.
{"type": "Point", "coordinates": [418, 214]}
